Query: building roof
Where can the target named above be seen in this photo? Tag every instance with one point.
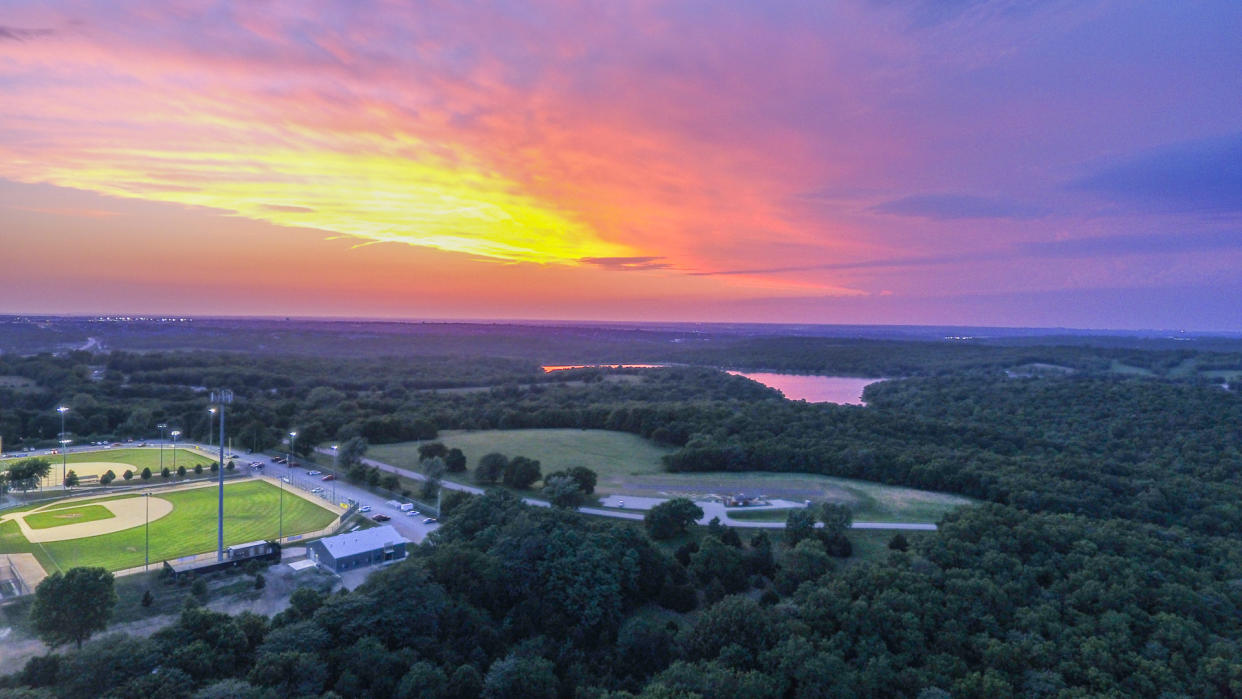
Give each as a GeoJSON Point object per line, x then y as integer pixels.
{"type": "Point", "coordinates": [361, 541]}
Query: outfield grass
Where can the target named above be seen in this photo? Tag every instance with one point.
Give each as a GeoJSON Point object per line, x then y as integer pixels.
{"type": "Point", "coordinates": [610, 454]}
{"type": "Point", "coordinates": [251, 513]}
{"type": "Point", "coordinates": [68, 515]}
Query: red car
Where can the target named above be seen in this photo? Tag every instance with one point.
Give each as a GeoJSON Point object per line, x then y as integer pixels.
{"type": "Point", "coordinates": [381, 517]}
{"type": "Point", "coordinates": [328, 477]}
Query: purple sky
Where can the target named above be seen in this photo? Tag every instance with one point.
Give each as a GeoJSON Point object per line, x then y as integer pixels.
{"type": "Point", "coordinates": [992, 163]}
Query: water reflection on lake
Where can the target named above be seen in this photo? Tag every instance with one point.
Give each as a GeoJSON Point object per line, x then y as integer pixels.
{"type": "Point", "coordinates": [562, 367]}
{"type": "Point", "coordinates": [846, 390]}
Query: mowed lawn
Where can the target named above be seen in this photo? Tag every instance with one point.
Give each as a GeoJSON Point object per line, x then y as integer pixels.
{"type": "Point", "coordinates": [68, 515]}
{"type": "Point", "coordinates": [139, 458]}
{"type": "Point", "coordinates": [612, 455]}
{"type": "Point", "coordinates": [251, 513]}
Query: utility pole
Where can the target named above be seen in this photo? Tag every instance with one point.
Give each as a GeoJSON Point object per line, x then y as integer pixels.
{"type": "Point", "coordinates": [220, 398]}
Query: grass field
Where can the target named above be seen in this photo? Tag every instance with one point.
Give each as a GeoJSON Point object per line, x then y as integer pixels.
{"type": "Point", "coordinates": [251, 513]}
{"type": "Point", "coordinates": [630, 465]}
{"type": "Point", "coordinates": [612, 455]}
{"type": "Point", "coordinates": [68, 515]}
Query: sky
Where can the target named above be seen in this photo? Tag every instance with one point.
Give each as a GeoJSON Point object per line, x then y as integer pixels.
{"type": "Point", "coordinates": [1013, 163]}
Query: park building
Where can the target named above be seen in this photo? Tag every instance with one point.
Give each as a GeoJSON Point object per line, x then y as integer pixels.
{"type": "Point", "coordinates": [358, 549]}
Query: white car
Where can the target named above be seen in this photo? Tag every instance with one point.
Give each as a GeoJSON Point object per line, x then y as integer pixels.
{"type": "Point", "coordinates": [285, 479]}
{"type": "Point", "coordinates": [313, 473]}
{"type": "Point", "coordinates": [364, 508]}
{"type": "Point", "coordinates": [412, 513]}
{"type": "Point", "coordinates": [316, 490]}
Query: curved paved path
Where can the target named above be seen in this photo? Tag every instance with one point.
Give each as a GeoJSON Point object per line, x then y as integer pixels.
{"type": "Point", "coordinates": [709, 509]}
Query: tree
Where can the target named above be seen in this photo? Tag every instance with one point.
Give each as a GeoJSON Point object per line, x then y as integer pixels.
{"type": "Point", "coordinates": [72, 606]}
{"type": "Point", "coordinates": [799, 525]}
{"type": "Point", "coordinates": [433, 469]}
{"type": "Point", "coordinates": [671, 518]}
{"type": "Point", "coordinates": [71, 479]}
{"type": "Point", "coordinates": [198, 469]}
{"type": "Point", "coordinates": [27, 473]}
{"type": "Point", "coordinates": [259, 581]}
{"type": "Point", "coordinates": [836, 518]}
{"type": "Point", "coordinates": [898, 542]}
{"type": "Point", "coordinates": [455, 460]}
{"type": "Point", "coordinates": [432, 450]}
{"type": "Point", "coordinates": [521, 473]}
{"type": "Point", "coordinates": [491, 467]}
{"type": "Point", "coordinates": [562, 491]}
{"type": "Point", "coordinates": [390, 482]}
{"type": "Point", "coordinates": [107, 477]}
{"type": "Point", "coordinates": [349, 455]}
{"type": "Point", "coordinates": [128, 475]}
{"type": "Point", "coordinates": [147, 598]}
{"type": "Point", "coordinates": [181, 471]}
{"type": "Point", "coordinates": [520, 677]}
{"type": "Point", "coordinates": [585, 477]}
{"type": "Point", "coordinates": [165, 473]}
{"type": "Point", "coordinates": [146, 474]}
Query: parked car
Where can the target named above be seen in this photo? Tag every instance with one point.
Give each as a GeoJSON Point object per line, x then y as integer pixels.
{"type": "Point", "coordinates": [316, 490]}
{"type": "Point", "coordinates": [285, 479]}
{"type": "Point", "coordinates": [412, 513]}
{"type": "Point", "coordinates": [313, 473]}
{"type": "Point", "coordinates": [430, 520]}
{"type": "Point", "coordinates": [328, 477]}
{"type": "Point", "coordinates": [364, 508]}
{"type": "Point", "coordinates": [278, 459]}
{"type": "Point", "coordinates": [381, 517]}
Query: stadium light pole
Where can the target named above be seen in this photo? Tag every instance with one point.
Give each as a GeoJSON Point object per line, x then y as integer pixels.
{"type": "Point", "coordinates": [174, 434]}
{"type": "Point", "coordinates": [211, 422]}
{"type": "Point", "coordinates": [220, 398]}
{"type": "Point", "coordinates": [281, 529]}
{"type": "Point", "coordinates": [162, 426]}
{"type": "Point", "coordinates": [64, 458]}
{"type": "Point", "coordinates": [335, 465]}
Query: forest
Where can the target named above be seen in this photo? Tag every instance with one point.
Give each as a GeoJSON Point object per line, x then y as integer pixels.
{"type": "Point", "coordinates": [1103, 560]}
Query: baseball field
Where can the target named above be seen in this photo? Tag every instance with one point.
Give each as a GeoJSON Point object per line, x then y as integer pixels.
{"type": "Point", "coordinates": [111, 531]}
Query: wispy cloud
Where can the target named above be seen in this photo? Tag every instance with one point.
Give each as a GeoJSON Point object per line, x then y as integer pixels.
{"type": "Point", "coordinates": [284, 208]}
{"type": "Point", "coordinates": [20, 34]}
{"type": "Point", "coordinates": [1202, 176]}
{"type": "Point", "coordinates": [626, 264]}
{"type": "Point", "coordinates": [948, 207]}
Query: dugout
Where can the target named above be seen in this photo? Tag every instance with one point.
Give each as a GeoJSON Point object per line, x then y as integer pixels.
{"type": "Point", "coordinates": [233, 556]}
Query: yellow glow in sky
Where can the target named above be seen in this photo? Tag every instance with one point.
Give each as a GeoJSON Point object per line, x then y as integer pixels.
{"type": "Point", "coordinates": [406, 195]}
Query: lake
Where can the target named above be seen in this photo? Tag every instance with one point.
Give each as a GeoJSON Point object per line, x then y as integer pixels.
{"type": "Point", "coordinates": [846, 390]}
{"type": "Point", "coordinates": [562, 367]}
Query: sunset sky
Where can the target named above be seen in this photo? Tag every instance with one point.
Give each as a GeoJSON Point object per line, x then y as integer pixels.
{"type": "Point", "coordinates": [873, 161]}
